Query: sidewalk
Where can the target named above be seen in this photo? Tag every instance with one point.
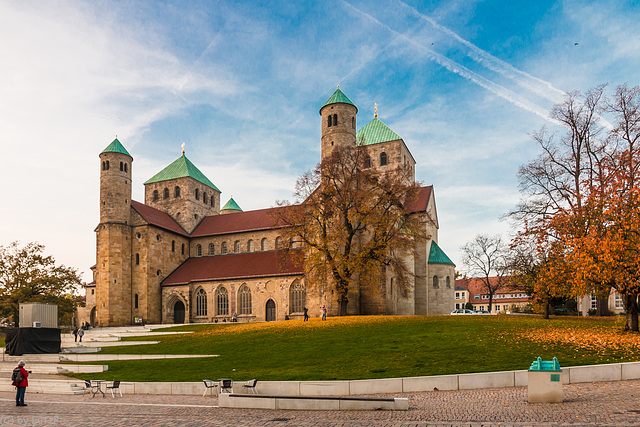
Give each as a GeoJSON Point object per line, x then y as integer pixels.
{"type": "Point", "coordinates": [586, 404]}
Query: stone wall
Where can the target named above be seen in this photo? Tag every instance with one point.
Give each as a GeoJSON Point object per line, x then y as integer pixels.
{"type": "Point", "coordinates": [341, 135]}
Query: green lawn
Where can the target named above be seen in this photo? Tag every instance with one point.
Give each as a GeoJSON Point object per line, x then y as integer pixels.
{"type": "Point", "coordinates": [375, 347]}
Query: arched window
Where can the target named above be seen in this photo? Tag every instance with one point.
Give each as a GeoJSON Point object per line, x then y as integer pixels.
{"type": "Point", "coordinates": [166, 194]}
{"type": "Point", "coordinates": [448, 282]}
{"type": "Point", "coordinates": [212, 249]}
{"type": "Point", "coordinates": [125, 167]}
{"type": "Point", "coordinates": [263, 244]}
{"type": "Point", "coordinates": [137, 259]}
{"type": "Point", "coordinates": [155, 195]}
{"type": "Point", "coordinates": [329, 121]}
{"type": "Point", "coordinates": [135, 301]}
{"type": "Point", "coordinates": [223, 248]}
{"type": "Point", "coordinates": [197, 194]}
{"type": "Point", "coordinates": [244, 300]}
{"type": "Point", "coordinates": [183, 249]}
{"type": "Point", "coordinates": [435, 282]}
{"type": "Point", "coordinates": [383, 159]}
{"type": "Point", "coordinates": [250, 246]}
{"type": "Point", "coordinates": [176, 192]}
{"type": "Point", "coordinates": [213, 202]}
{"type": "Point", "coordinates": [199, 250]}
{"type": "Point", "coordinates": [296, 297]}
{"type": "Point", "coordinates": [278, 242]}
{"type": "Point", "coordinates": [204, 198]}
{"type": "Point", "coordinates": [201, 303]}
{"type": "Point", "coordinates": [173, 246]}
{"type": "Point", "coordinates": [107, 164]}
{"type": "Point", "coordinates": [222, 301]}
{"type": "Point", "coordinates": [367, 161]}
{"type": "Point", "coordinates": [236, 246]}
{"type": "Point", "coordinates": [121, 166]}
{"type": "Point", "coordinates": [353, 122]}
{"type": "Point", "coordinates": [104, 165]}
{"type": "Point", "coordinates": [335, 120]}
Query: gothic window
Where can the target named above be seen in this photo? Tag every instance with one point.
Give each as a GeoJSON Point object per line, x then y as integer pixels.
{"type": "Point", "coordinates": [236, 246]}
{"type": "Point", "coordinates": [296, 297]}
{"type": "Point", "coordinates": [367, 161]}
{"type": "Point", "coordinates": [121, 166]}
{"type": "Point", "coordinates": [278, 242]}
{"type": "Point", "coordinates": [136, 301]}
{"type": "Point", "coordinates": [244, 300]}
{"type": "Point", "coordinates": [448, 281]}
{"type": "Point", "coordinates": [222, 301]}
{"type": "Point", "coordinates": [383, 159]}
{"type": "Point", "coordinates": [335, 120]}
{"type": "Point", "coordinates": [223, 247]}
{"type": "Point", "coordinates": [435, 282]}
{"type": "Point", "coordinates": [137, 259]}
{"type": "Point", "coordinates": [199, 250]}
{"type": "Point", "coordinates": [176, 192]}
{"type": "Point", "coordinates": [197, 194]}
{"type": "Point", "coordinates": [250, 246]}
{"type": "Point", "coordinates": [329, 121]}
{"type": "Point", "coordinates": [211, 249]}
{"type": "Point", "coordinates": [204, 198]}
{"type": "Point", "coordinates": [201, 303]}
{"type": "Point", "coordinates": [155, 195]}
{"type": "Point", "coordinates": [263, 244]}
{"type": "Point", "coordinates": [173, 246]}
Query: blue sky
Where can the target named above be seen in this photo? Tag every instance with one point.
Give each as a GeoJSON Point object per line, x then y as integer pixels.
{"type": "Point", "coordinates": [463, 82]}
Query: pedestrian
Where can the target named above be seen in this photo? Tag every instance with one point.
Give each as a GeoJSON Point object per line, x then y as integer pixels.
{"type": "Point", "coordinates": [80, 333]}
{"type": "Point", "coordinates": [306, 314]}
{"type": "Point", "coordinates": [235, 317]}
{"type": "Point", "coordinates": [324, 312]}
{"type": "Point", "coordinates": [75, 334]}
{"type": "Point", "coordinates": [21, 386]}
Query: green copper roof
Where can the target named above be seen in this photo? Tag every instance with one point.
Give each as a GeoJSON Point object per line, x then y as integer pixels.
{"type": "Point", "coordinates": [231, 205]}
{"type": "Point", "coordinates": [116, 147]}
{"type": "Point", "coordinates": [437, 255]}
{"type": "Point", "coordinates": [338, 97]}
{"type": "Point", "coordinates": [181, 168]}
{"type": "Point", "coordinates": [375, 132]}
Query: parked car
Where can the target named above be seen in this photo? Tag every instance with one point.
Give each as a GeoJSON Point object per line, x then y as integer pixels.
{"type": "Point", "coordinates": [463, 311]}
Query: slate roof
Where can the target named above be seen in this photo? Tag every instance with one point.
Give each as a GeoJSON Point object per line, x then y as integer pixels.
{"type": "Point", "coordinates": [181, 168]}
{"type": "Point", "coordinates": [437, 255]}
{"type": "Point", "coordinates": [338, 97]}
{"type": "Point", "coordinates": [375, 132]}
{"type": "Point", "coordinates": [158, 218]}
{"type": "Point", "coordinates": [116, 147]}
{"type": "Point", "coordinates": [261, 219]}
{"type": "Point", "coordinates": [237, 266]}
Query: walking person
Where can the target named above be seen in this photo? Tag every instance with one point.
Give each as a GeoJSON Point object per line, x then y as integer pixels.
{"type": "Point", "coordinates": [19, 380]}
{"type": "Point", "coordinates": [306, 314]}
{"type": "Point", "coordinates": [75, 334]}
{"type": "Point", "coordinates": [324, 312]}
{"type": "Point", "coordinates": [80, 333]}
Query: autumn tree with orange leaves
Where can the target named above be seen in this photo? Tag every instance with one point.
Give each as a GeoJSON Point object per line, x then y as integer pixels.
{"type": "Point", "coordinates": [354, 223]}
{"type": "Point", "coordinates": [582, 196]}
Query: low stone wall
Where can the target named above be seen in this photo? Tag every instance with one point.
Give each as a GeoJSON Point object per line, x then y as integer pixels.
{"type": "Point", "coordinates": [306, 403]}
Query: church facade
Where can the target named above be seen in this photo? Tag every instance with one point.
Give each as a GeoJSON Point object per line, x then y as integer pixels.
{"type": "Point", "coordinates": [181, 257]}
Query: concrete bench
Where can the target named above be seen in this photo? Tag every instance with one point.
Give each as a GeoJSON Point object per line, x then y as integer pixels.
{"type": "Point", "coordinates": [310, 403]}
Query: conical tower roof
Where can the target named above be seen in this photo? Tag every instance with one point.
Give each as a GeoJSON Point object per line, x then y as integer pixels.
{"type": "Point", "coordinates": [338, 97]}
{"type": "Point", "coordinates": [437, 255]}
{"type": "Point", "coordinates": [116, 147]}
{"type": "Point", "coordinates": [231, 205]}
{"type": "Point", "coordinates": [181, 168]}
{"type": "Point", "coordinates": [375, 132]}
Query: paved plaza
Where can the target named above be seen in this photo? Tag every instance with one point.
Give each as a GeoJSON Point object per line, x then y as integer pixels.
{"type": "Point", "coordinates": [588, 404]}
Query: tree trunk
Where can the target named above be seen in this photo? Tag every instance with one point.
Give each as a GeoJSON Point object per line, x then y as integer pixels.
{"type": "Point", "coordinates": [602, 306]}
{"type": "Point", "coordinates": [546, 310]}
{"type": "Point", "coordinates": [343, 300]}
{"type": "Point", "coordinates": [631, 312]}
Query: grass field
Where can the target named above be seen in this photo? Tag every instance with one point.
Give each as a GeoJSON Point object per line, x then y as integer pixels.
{"type": "Point", "coordinates": [376, 347]}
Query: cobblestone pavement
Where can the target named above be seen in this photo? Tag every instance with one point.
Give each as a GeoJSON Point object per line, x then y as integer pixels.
{"type": "Point", "coordinates": [590, 404]}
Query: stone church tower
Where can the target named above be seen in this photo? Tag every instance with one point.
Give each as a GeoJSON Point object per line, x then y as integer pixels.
{"type": "Point", "coordinates": [338, 123]}
{"type": "Point", "coordinates": [113, 234]}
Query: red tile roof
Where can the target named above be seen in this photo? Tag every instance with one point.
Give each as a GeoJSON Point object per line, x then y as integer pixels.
{"type": "Point", "coordinates": [475, 286]}
{"type": "Point", "coordinates": [420, 201]}
{"type": "Point", "coordinates": [237, 266]}
{"type": "Point", "coordinates": [158, 218]}
{"type": "Point", "coordinates": [261, 219]}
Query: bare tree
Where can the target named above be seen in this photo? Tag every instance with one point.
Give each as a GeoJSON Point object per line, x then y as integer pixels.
{"type": "Point", "coordinates": [485, 257]}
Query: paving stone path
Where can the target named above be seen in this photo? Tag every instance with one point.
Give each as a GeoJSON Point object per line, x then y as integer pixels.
{"type": "Point", "coordinates": [589, 404]}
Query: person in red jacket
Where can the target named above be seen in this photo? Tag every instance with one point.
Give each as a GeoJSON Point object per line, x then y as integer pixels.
{"type": "Point", "coordinates": [21, 387]}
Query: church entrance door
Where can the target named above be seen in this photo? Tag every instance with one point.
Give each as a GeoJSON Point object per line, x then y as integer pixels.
{"type": "Point", "coordinates": [271, 311]}
{"type": "Point", "coordinates": [178, 312]}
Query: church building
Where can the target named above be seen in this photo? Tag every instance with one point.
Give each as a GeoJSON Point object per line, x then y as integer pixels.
{"type": "Point", "coordinates": [181, 257]}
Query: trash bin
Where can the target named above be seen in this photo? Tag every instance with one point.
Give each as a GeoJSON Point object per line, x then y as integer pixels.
{"type": "Point", "coordinates": [545, 381]}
